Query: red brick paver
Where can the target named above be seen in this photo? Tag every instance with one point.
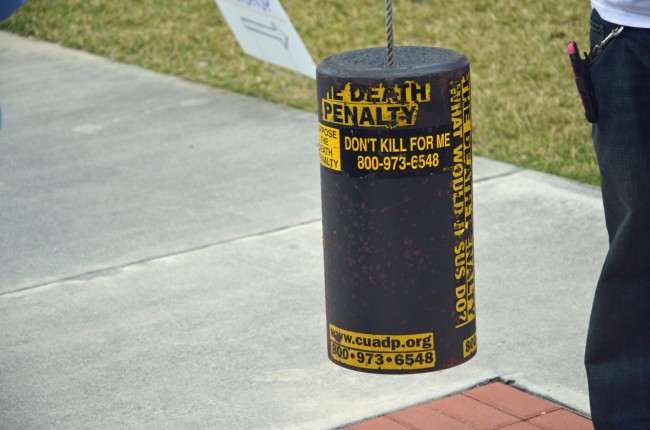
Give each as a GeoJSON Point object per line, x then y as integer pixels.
{"type": "Point", "coordinates": [521, 425]}
{"type": "Point", "coordinates": [381, 423]}
{"type": "Point", "coordinates": [561, 420]}
{"type": "Point", "coordinates": [518, 403]}
{"type": "Point", "coordinates": [473, 412]}
{"type": "Point", "coordinates": [495, 406]}
{"type": "Point", "coordinates": [423, 417]}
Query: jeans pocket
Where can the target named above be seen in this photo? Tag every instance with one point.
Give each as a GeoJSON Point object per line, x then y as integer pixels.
{"type": "Point", "coordinates": [597, 29]}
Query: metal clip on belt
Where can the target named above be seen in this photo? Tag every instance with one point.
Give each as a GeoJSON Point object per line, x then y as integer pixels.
{"type": "Point", "coordinates": [599, 47]}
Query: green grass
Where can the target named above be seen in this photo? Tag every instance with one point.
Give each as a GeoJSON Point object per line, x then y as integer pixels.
{"type": "Point", "coordinates": [525, 106]}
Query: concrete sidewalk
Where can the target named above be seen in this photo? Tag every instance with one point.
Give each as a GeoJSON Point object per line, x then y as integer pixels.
{"type": "Point", "coordinates": [161, 262]}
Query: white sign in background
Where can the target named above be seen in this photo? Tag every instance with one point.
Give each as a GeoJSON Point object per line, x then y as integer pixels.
{"type": "Point", "coordinates": [264, 31]}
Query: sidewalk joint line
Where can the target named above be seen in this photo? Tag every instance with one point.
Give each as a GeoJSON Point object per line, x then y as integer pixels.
{"type": "Point", "coordinates": [114, 269]}
{"type": "Point", "coordinates": [499, 176]}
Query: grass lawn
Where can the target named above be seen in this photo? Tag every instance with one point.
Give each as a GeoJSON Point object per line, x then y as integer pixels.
{"type": "Point", "coordinates": [525, 106]}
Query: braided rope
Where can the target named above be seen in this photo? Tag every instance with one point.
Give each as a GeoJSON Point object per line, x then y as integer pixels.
{"type": "Point", "coordinates": [390, 33]}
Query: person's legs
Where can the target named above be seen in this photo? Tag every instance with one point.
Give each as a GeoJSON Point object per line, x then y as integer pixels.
{"type": "Point", "coordinates": [617, 356]}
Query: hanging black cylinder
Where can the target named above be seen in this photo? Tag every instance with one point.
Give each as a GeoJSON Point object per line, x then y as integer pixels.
{"type": "Point", "coordinates": [396, 184]}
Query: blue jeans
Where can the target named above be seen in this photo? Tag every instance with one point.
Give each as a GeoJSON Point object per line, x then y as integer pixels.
{"type": "Point", "coordinates": [617, 356]}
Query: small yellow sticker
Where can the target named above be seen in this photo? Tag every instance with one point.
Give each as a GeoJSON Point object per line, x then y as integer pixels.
{"type": "Point", "coordinates": [382, 352]}
{"type": "Point", "coordinates": [329, 145]}
{"type": "Point", "coordinates": [469, 346]}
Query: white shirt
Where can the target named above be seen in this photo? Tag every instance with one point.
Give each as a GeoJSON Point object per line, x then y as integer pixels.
{"type": "Point", "coordinates": [631, 13]}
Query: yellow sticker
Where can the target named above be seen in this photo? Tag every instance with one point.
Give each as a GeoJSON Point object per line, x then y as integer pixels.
{"type": "Point", "coordinates": [469, 346]}
{"type": "Point", "coordinates": [329, 145]}
{"type": "Point", "coordinates": [382, 352]}
{"type": "Point", "coordinates": [376, 106]}
{"type": "Point", "coordinates": [462, 201]}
